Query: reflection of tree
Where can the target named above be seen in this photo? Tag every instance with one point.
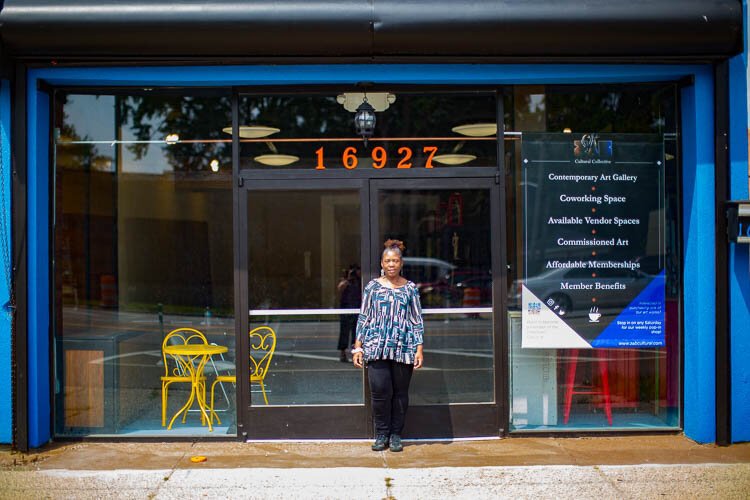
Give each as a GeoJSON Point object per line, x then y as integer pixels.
{"type": "Point", "coordinates": [72, 155]}
{"type": "Point", "coordinates": [79, 156]}
{"type": "Point", "coordinates": [412, 115]}
{"type": "Point", "coordinates": [298, 116]}
{"type": "Point", "coordinates": [636, 110]}
{"type": "Point", "coordinates": [192, 118]}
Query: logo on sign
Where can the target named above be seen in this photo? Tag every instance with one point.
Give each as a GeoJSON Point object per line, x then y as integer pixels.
{"type": "Point", "coordinates": [589, 146]}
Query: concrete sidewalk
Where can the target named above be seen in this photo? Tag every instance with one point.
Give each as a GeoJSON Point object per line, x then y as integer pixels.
{"type": "Point", "coordinates": [603, 467]}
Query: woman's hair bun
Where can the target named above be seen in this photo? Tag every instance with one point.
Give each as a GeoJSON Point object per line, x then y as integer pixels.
{"type": "Point", "coordinates": [390, 244]}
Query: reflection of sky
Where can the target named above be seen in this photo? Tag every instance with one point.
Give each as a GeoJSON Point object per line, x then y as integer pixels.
{"type": "Point", "coordinates": [93, 119]}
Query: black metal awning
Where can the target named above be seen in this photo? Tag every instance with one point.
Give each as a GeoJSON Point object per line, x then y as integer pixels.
{"type": "Point", "coordinates": [374, 29]}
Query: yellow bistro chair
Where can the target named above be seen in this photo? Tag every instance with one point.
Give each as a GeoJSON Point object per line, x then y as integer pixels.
{"type": "Point", "coordinates": [262, 347]}
{"type": "Point", "coordinates": [174, 367]}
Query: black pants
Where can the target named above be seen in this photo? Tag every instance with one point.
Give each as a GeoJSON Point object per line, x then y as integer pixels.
{"type": "Point", "coordinates": [347, 330]}
{"type": "Point", "coordinates": [389, 389]}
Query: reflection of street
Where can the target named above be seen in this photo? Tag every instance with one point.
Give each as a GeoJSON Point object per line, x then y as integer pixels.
{"type": "Point", "coordinates": [305, 369]}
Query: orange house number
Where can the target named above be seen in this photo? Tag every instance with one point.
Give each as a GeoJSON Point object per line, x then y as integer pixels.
{"type": "Point", "coordinates": [379, 157]}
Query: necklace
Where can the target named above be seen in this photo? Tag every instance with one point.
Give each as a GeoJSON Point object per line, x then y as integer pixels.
{"type": "Point", "coordinates": [393, 286]}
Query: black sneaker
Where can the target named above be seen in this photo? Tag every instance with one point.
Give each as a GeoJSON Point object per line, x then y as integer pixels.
{"type": "Point", "coordinates": [381, 443]}
{"type": "Point", "coordinates": [396, 445]}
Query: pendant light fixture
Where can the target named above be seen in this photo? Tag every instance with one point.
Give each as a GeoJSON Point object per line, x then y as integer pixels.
{"type": "Point", "coordinates": [364, 120]}
{"type": "Point", "coordinates": [476, 129]}
{"type": "Point", "coordinates": [252, 131]}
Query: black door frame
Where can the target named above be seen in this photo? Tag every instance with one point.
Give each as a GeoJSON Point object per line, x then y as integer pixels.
{"type": "Point", "coordinates": [461, 419]}
{"type": "Point", "coordinates": [303, 421]}
{"type": "Point", "coordinates": [353, 421]}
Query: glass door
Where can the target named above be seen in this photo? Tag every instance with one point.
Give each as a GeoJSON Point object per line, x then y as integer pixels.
{"type": "Point", "coordinates": [304, 255]}
{"type": "Point", "coordinates": [450, 229]}
{"type": "Point", "coordinates": [317, 203]}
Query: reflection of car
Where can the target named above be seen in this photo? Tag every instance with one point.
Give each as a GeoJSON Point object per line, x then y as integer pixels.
{"type": "Point", "coordinates": [430, 275]}
{"type": "Point", "coordinates": [618, 283]}
{"type": "Point", "coordinates": [426, 269]}
{"type": "Point", "coordinates": [442, 284]}
{"type": "Point", "coordinates": [481, 282]}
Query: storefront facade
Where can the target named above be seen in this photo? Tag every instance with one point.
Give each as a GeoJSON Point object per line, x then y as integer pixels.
{"type": "Point", "coordinates": [559, 210]}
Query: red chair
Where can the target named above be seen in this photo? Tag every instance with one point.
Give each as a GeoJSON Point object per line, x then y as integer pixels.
{"type": "Point", "coordinates": [571, 389]}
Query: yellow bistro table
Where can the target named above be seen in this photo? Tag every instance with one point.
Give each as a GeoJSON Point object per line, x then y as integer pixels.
{"type": "Point", "coordinates": [194, 358]}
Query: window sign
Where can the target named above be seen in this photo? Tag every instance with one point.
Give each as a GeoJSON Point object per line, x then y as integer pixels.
{"type": "Point", "coordinates": [594, 241]}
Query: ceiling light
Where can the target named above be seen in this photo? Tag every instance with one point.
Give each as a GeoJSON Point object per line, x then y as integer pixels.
{"type": "Point", "coordinates": [276, 160]}
{"type": "Point", "coordinates": [253, 131]}
{"type": "Point", "coordinates": [567, 130]}
{"type": "Point", "coordinates": [364, 120]}
{"type": "Point", "coordinates": [453, 159]}
{"type": "Point", "coordinates": [476, 129]}
{"type": "Point", "coordinates": [214, 165]}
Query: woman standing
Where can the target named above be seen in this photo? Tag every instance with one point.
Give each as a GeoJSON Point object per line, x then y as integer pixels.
{"type": "Point", "coordinates": [390, 334]}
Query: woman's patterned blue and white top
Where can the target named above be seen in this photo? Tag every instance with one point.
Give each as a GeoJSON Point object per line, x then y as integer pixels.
{"type": "Point", "coordinates": [390, 322]}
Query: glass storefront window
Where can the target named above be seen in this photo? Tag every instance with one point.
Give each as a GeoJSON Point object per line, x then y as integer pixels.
{"type": "Point", "coordinates": [594, 274]}
{"type": "Point", "coordinates": [143, 232]}
{"type": "Point", "coordinates": [144, 244]}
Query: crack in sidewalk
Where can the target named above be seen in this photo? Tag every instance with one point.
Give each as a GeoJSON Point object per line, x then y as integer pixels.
{"type": "Point", "coordinates": [612, 482]}
{"type": "Point", "coordinates": [388, 479]}
{"type": "Point", "coordinates": [172, 470]}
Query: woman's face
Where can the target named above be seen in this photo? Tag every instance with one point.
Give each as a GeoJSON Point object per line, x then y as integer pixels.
{"type": "Point", "coordinates": [391, 264]}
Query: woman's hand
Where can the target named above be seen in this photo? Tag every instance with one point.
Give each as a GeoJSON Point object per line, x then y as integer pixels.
{"type": "Point", "coordinates": [418, 358]}
{"type": "Point", "coordinates": [357, 359]}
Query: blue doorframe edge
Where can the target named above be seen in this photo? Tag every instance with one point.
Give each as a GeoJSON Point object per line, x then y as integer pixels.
{"type": "Point", "coordinates": [698, 190]}
{"type": "Point", "coordinates": [699, 270]}
{"type": "Point", "coordinates": [6, 409]}
{"type": "Point", "coordinates": [38, 127]}
{"type": "Point", "coordinates": [739, 255]}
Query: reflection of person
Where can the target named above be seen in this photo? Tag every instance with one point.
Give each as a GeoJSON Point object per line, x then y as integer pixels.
{"type": "Point", "coordinates": [390, 333]}
{"type": "Point", "coordinates": [350, 297]}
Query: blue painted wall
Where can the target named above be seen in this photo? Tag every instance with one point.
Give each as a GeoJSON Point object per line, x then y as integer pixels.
{"type": "Point", "coordinates": [739, 258]}
{"type": "Point", "coordinates": [6, 412]}
{"type": "Point", "coordinates": [698, 191]}
{"type": "Point", "coordinates": [699, 306]}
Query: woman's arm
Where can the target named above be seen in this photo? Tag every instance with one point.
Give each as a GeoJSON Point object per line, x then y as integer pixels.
{"type": "Point", "coordinates": [415, 316]}
{"type": "Point", "coordinates": [364, 312]}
